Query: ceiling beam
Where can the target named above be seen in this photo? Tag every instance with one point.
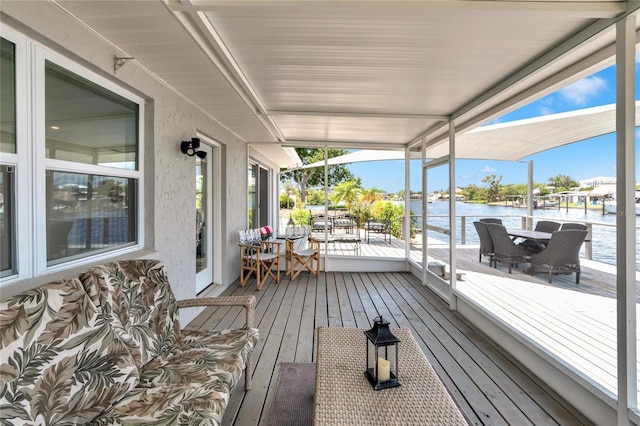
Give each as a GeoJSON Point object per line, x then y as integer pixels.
{"type": "Point", "coordinates": [433, 117]}
{"type": "Point", "coordinates": [202, 34]}
{"type": "Point", "coordinates": [341, 144]}
{"type": "Point", "coordinates": [583, 9]}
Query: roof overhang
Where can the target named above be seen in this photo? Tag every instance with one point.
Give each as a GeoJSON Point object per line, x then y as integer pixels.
{"type": "Point", "coordinates": [351, 73]}
{"type": "Point", "coordinates": [511, 141]}
{"type": "Point", "coordinates": [282, 157]}
{"type": "Point", "coordinates": [519, 139]}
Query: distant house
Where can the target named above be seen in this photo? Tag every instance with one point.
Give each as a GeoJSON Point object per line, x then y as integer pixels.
{"type": "Point", "coordinates": [597, 181]}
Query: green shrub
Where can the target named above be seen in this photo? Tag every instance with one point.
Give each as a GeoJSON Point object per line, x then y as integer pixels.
{"type": "Point", "coordinates": [283, 202]}
{"type": "Point", "coordinates": [362, 212]}
{"type": "Point", "coordinates": [394, 213]}
{"type": "Point", "coordinates": [315, 198]}
{"type": "Point", "coordinates": [301, 216]}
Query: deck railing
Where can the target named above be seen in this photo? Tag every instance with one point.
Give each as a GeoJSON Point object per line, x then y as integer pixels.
{"type": "Point", "coordinates": [526, 222]}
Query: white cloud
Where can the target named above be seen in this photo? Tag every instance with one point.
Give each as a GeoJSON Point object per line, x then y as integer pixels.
{"type": "Point", "coordinates": [580, 91]}
{"type": "Point", "coordinates": [638, 57]}
{"type": "Point", "coordinates": [487, 169]}
{"type": "Point", "coordinates": [546, 111]}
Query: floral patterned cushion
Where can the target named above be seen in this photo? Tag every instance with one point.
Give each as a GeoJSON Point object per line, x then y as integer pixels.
{"type": "Point", "coordinates": [136, 298]}
{"type": "Point", "coordinates": [200, 405]}
{"type": "Point", "coordinates": [216, 357]}
{"type": "Point", "coordinates": [60, 362]}
{"type": "Point", "coordinates": [108, 349]}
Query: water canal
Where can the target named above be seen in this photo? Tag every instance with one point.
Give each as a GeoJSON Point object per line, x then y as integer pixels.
{"type": "Point", "coordinates": [604, 229]}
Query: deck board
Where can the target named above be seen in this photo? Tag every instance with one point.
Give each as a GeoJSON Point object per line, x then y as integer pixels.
{"type": "Point", "coordinates": [489, 387]}
{"type": "Point", "coordinates": [575, 322]}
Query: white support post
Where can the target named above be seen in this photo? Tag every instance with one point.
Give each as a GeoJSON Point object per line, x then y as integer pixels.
{"type": "Point", "coordinates": [626, 219]}
{"type": "Point", "coordinates": [326, 208]}
{"type": "Point", "coordinates": [406, 228]}
{"type": "Point", "coordinates": [423, 168]}
{"type": "Point", "coordinates": [453, 301]}
{"type": "Point", "coordinates": [326, 183]}
{"type": "Point", "coordinates": [529, 194]}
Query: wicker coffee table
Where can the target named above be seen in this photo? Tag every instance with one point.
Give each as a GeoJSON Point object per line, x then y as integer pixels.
{"type": "Point", "coordinates": [344, 396]}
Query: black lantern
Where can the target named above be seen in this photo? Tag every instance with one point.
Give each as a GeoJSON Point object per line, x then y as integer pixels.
{"type": "Point", "coordinates": [382, 356]}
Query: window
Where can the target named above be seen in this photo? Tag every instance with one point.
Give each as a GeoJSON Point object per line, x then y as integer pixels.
{"type": "Point", "coordinates": [7, 145]}
{"type": "Point", "coordinates": [88, 213]}
{"type": "Point", "coordinates": [74, 143]}
{"type": "Point", "coordinates": [259, 202]}
{"type": "Point", "coordinates": [86, 123]}
{"type": "Point", "coordinates": [7, 229]}
{"type": "Point", "coordinates": [7, 96]}
{"type": "Point", "coordinates": [252, 202]}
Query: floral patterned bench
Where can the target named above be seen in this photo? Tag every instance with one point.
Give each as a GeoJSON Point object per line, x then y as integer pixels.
{"type": "Point", "coordinates": [108, 349]}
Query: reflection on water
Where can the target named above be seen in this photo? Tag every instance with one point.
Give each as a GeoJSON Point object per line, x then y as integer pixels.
{"type": "Point", "coordinates": [604, 237]}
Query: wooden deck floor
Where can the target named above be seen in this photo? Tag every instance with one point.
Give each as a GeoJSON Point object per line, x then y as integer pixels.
{"type": "Point", "coordinates": [575, 323]}
{"type": "Point", "coordinates": [489, 387]}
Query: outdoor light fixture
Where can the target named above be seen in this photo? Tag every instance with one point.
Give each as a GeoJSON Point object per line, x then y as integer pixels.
{"type": "Point", "coordinates": [191, 148]}
{"type": "Point", "coordinates": [382, 368]}
{"type": "Point", "coordinates": [291, 227]}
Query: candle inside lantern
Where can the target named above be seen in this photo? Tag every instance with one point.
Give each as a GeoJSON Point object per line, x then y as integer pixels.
{"type": "Point", "coordinates": [383, 370]}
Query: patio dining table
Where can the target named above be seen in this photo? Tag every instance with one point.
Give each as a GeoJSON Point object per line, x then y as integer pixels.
{"type": "Point", "coordinates": [538, 237]}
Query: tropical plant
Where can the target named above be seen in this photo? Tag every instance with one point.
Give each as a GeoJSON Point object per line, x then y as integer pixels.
{"type": "Point", "coordinates": [371, 195]}
{"type": "Point", "coordinates": [301, 216]}
{"type": "Point", "coordinates": [394, 213]}
{"type": "Point", "coordinates": [314, 176]}
{"type": "Point", "coordinates": [513, 189]}
{"type": "Point", "coordinates": [563, 182]}
{"type": "Point", "coordinates": [348, 192]}
{"type": "Point", "coordinates": [494, 187]}
{"type": "Point", "coordinates": [362, 212]}
{"type": "Point", "coordinates": [315, 198]}
{"type": "Point", "coordinates": [474, 193]}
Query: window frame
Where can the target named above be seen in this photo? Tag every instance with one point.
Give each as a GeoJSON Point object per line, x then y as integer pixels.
{"type": "Point", "coordinates": [19, 160]}
{"type": "Point", "coordinates": [31, 164]}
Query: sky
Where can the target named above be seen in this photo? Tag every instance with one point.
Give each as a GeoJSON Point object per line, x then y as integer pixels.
{"type": "Point", "coordinates": [581, 160]}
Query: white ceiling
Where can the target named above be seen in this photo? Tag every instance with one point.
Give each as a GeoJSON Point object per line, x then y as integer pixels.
{"type": "Point", "coordinates": [354, 73]}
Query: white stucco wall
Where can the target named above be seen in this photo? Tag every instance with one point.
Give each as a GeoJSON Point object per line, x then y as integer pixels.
{"type": "Point", "coordinates": [169, 175]}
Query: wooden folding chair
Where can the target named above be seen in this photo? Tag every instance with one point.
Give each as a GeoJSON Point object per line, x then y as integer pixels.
{"type": "Point", "coordinates": [261, 260]}
{"type": "Point", "coordinates": [249, 262]}
{"type": "Point", "coordinates": [269, 259]}
{"type": "Point", "coordinates": [298, 260]}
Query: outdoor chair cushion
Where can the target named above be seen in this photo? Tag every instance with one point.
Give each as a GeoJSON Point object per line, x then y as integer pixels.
{"type": "Point", "coordinates": [380, 226]}
{"type": "Point", "coordinates": [344, 222]}
{"type": "Point", "coordinates": [136, 298]}
{"type": "Point", "coordinates": [202, 357]}
{"type": "Point", "coordinates": [321, 222]}
{"type": "Point", "coordinates": [108, 349]}
{"type": "Point", "coordinates": [61, 363]}
{"type": "Point", "coordinates": [193, 404]}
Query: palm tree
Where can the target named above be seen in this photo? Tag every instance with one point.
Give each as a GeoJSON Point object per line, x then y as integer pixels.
{"type": "Point", "coordinates": [370, 196]}
{"type": "Point", "coordinates": [348, 191]}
